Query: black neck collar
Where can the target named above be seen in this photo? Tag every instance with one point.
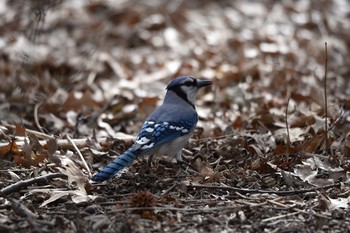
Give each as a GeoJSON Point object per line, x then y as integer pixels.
{"type": "Point", "coordinates": [179, 92]}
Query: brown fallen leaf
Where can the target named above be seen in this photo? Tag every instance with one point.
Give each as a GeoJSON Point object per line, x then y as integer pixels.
{"type": "Point", "coordinates": [28, 157]}
{"type": "Point", "coordinates": [10, 149]}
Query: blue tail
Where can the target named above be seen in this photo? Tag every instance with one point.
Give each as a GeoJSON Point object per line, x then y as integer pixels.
{"type": "Point", "coordinates": [114, 167]}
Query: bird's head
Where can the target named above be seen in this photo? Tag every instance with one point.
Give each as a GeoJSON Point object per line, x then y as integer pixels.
{"type": "Point", "coordinates": [187, 87]}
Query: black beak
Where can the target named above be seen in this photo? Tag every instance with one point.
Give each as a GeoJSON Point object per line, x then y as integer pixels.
{"type": "Point", "coordinates": [203, 83]}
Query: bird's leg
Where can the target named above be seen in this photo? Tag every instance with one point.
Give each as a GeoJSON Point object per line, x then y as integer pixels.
{"type": "Point", "coordinates": [183, 164]}
{"type": "Point", "coordinates": [146, 165]}
{"type": "Point", "coordinates": [150, 158]}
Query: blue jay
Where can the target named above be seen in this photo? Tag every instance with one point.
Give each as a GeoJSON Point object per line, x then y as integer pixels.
{"type": "Point", "coordinates": [166, 130]}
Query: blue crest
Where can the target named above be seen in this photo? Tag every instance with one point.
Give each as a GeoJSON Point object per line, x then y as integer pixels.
{"type": "Point", "coordinates": [180, 81]}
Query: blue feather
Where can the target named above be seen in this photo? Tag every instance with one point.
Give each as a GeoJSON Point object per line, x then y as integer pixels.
{"type": "Point", "coordinates": [178, 81]}
{"type": "Point", "coordinates": [153, 133]}
{"type": "Point", "coordinates": [118, 164]}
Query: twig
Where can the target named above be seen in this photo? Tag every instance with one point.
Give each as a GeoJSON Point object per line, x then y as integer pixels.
{"type": "Point", "coordinates": [273, 202]}
{"type": "Point", "coordinates": [66, 144]}
{"type": "Point", "coordinates": [17, 170]}
{"type": "Point", "coordinates": [279, 217]}
{"type": "Point", "coordinates": [314, 214]}
{"type": "Point", "coordinates": [113, 203]}
{"type": "Point", "coordinates": [25, 183]}
{"type": "Point", "coordinates": [282, 193]}
{"type": "Point", "coordinates": [325, 97]}
{"type": "Point", "coordinates": [341, 115]}
{"type": "Point", "coordinates": [166, 192]}
{"type": "Point", "coordinates": [212, 138]}
{"type": "Point", "coordinates": [36, 119]}
{"type": "Point", "coordinates": [21, 210]}
{"type": "Point", "coordinates": [292, 208]}
{"type": "Point", "coordinates": [287, 127]}
{"type": "Point", "coordinates": [159, 208]}
{"type": "Point", "coordinates": [29, 131]}
{"type": "Point", "coordinates": [239, 201]}
{"type": "Point", "coordinates": [185, 209]}
{"type": "Point", "coordinates": [80, 155]}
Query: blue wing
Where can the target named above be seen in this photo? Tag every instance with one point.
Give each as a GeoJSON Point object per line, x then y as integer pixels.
{"type": "Point", "coordinates": [155, 133]}
{"type": "Point", "coordinates": [163, 126]}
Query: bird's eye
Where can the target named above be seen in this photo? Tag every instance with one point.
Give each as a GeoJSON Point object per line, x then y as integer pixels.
{"type": "Point", "coordinates": [188, 84]}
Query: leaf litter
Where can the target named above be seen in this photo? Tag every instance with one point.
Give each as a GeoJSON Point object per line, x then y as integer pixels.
{"type": "Point", "coordinates": [79, 78]}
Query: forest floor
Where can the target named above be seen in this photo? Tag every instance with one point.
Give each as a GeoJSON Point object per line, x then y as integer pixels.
{"type": "Point", "coordinates": [271, 151]}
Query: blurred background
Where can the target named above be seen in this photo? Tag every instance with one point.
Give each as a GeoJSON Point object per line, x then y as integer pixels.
{"type": "Point", "coordinates": [109, 61]}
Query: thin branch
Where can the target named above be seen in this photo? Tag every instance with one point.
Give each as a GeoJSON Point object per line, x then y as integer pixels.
{"type": "Point", "coordinates": [36, 118]}
{"type": "Point", "coordinates": [25, 183]}
{"type": "Point", "coordinates": [166, 208]}
{"type": "Point", "coordinates": [21, 210]}
{"type": "Point", "coordinates": [29, 131]}
{"type": "Point", "coordinates": [282, 193]}
{"type": "Point", "coordinates": [170, 208]}
{"type": "Point", "coordinates": [287, 127]}
{"type": "Point", "coordinates": [340, 116]}
{"type": "Point", "coordinates": [312, 213]}
{"type": "Point", "coordinates": [65, 143]}
{"type": "Point", "coordinates": [166, 192]}
{"type": "Point", "coordinates": [325, 97]}
{"type": "Point", "coordinates": [273, 218]}
{"type": "Point", "coordinates": [80, 155]}
{"type": "Point", "coordinates": [299, 210]}
{"type": "Point", "coordinates": [80, 142]}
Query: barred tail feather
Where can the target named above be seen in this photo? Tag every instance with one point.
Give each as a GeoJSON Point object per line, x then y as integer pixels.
{"type": "Point", "coordinates": [114, 167]}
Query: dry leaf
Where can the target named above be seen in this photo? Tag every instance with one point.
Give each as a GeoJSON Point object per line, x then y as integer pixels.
{"type": "Point", "coordinates": [28, 157]}
{"type": "Point", "coordinates": [74, 173]}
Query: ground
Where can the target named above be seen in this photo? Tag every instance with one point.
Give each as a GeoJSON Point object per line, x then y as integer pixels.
{"type": "Point", "coordinates": [271, 149]}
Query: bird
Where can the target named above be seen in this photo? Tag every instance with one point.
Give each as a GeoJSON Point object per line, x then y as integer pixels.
{"type": "Point", "coordinates": [166, 131]}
